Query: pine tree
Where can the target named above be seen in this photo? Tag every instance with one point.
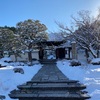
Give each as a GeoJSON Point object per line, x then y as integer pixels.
{"type": "Point", "coordinates": [31, 32]}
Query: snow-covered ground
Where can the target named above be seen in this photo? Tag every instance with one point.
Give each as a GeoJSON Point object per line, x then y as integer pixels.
{"type": "Point", "coordinates": [86, 73]}
{"type": "Point", "coordinates": [9, 80]}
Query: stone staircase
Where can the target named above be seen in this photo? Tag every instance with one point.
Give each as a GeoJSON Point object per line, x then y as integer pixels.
{"type": "Point", "coordinates": [66, 90]}
{"type": "Point", "coordinates": [50, 84]}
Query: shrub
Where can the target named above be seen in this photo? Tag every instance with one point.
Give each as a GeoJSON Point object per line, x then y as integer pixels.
{"type": "Point", "coordinates": [18, 70]}
{"type": "Point", "coordinates": [95, 61]}
{"type": "Point", "coordinates": [75, 63]}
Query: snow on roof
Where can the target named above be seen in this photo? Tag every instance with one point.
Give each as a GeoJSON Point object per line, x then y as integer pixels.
{"type": "Point", "coordinates": [66, 44]}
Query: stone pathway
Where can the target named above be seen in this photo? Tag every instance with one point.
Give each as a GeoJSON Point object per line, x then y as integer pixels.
{"type": "Point", "coordinates": [49, 73]}
{"type": "Point", "coordinates": [50, 84]}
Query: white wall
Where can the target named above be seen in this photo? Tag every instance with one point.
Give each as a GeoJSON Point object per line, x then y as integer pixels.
{"type": "Point", "coordinates": [24, 56]}
{"type": "Point", "coordinates": [35, 54]}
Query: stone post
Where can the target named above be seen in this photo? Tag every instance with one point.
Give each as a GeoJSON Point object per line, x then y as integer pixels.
{"type": "Point", "coordinates": [74, 50]}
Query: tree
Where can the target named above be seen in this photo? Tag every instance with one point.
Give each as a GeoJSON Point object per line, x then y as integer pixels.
{"type": "Point", "coordinates": [6, 39]}
{"type": "Point", "coordinates": [31, 32]}
{"type": "Point", "coordinates": [9, 41]}
{"type": "Point", "coordinates": [85, 32]}
{"type": "Point", "coordinates": [10, 28]}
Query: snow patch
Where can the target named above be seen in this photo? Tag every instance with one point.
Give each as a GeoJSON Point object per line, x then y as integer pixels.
{"type": "Point", "coordinates": [88, 74]}
{"type": "Point", "coordinates": [10, 80]}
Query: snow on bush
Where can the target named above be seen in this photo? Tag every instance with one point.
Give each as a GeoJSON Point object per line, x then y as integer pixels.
{"type": "Point", "coordinates": [95, 61]}
{"type": "Point", "coordinates": [75, 63]}
{"type": "Point", "coordinates": [5, 59]}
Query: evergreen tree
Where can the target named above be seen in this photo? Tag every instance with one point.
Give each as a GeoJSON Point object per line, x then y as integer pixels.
{"type": "Point", "coordinates": [31, 32]}
{"type": "Point", "coordinates": [6, 39]}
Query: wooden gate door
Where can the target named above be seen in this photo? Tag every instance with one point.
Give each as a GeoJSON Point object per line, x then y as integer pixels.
{"type": "Point", "coordinates": [60, 53]}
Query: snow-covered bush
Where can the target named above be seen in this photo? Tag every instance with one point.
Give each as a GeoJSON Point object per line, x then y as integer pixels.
{"type": "Point", "coordinates": [5, 59]}
{"type": "Point", "coordinates": [2, 97]}
{"type": "Point", "coordinates": [95, 61]}
{"type": "Point", "coordinates": [18, 70]}
{"type": "Point", "coordinates": [75, 63]}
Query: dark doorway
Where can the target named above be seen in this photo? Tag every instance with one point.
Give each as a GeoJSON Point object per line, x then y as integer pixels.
{"type": "Point", "coordinates": [60, 53]}
{"type": "Point", "coordinates": [41, 53]}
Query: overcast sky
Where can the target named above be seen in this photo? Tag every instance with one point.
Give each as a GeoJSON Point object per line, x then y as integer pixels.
{"type": "Point", "coordinates": [47, 11]}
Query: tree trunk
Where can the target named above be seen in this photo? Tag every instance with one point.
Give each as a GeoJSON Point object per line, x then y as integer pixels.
{"type": "Point", "coordinates": [1, 54]}
{"type": "Point", "coordinates": [98, 55]}
{"type": "Point", "coordinates": [30, 56]}
{"type": "Point", "coordinates": [87, 54]}
{"type": "Point", "coordinates": [30, 53]}
{"type": "Point", "coordinates": [15, 58]}
{"type": "Point", "coordinates": [95, 56]}
{"type": "Point", "coordinates": [93, 52]}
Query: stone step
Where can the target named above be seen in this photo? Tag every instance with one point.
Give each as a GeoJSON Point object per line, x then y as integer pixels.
{"type": "Point", "coordinates": [50, 84]}
{"type": "Point", "coordinates": [48, 61]}
{"type": "Point", "coordinates": [53, 86]}
{"type": "Point", "coordinates": [52, 81]}
{"type": "Point", "coordinates": [49, 95]}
